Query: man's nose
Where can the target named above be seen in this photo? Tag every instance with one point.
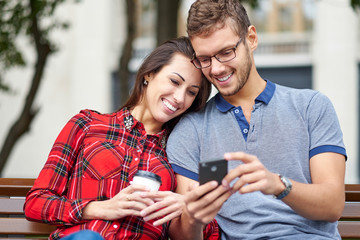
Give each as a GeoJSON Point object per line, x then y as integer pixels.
{"type": "Point", "coordinates": [216, 67]}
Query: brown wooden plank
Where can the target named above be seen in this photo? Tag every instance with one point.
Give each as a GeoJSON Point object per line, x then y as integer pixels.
{"type": "Point", "coordinates": [11, 206]}
{"type": "Point", "coordinates": [352, 187]}
{"type": "Point", "coordinates": [25, 238]}
{"type": "Point", "coordinates": [20, 186]}
{"type": "Point", "coordinates": [349, 229]}
{"type": "Point", "coordinates": [17, 181]}
{"type": "Point", "coordinates": [23, 226]}
{"type": "Point", "coordinates": [352, 192]}
{"type": "Point", "coordinates": [15, 186]}
{"type": "Point", "coordinates": [352, 196]}
{"type": "Point", "coordinates": [351, 211]}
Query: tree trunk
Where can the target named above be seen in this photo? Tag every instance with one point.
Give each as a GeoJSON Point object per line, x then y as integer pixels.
{"type": "Point", "coordinates": [22, 124]}
{"type": "Point", "coordinates": [167, 20]}
{"type": "Point", "coordinates": [123, 71]}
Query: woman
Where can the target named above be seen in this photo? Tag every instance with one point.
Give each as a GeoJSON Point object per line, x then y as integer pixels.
{"type": "Point", "coordinates": [85, 183]}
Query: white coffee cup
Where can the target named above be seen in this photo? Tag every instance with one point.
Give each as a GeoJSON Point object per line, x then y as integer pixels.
{"type": "Point", "coordinates": [149, 179]}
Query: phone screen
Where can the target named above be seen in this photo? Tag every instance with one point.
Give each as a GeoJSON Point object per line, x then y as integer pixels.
{"type": "Point", "coordinates": [212, 170]}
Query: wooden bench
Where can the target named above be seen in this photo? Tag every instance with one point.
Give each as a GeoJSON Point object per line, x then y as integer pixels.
{"type": "Point", "coordinates": [13, 223]}
{"type": "Point", "coordinates": [349, 223]}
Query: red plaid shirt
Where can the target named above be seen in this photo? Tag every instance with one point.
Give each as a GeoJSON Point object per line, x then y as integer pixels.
{"type": "Point", "coordinates": [93, 158]}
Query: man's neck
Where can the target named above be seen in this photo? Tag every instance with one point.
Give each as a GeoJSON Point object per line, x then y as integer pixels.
{"type": "Point", "coordinates": [248, 93]}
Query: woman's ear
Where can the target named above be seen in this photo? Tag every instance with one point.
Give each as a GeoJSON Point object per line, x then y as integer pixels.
{"type": "Point", "coordinates": [148, 77]}
{"type": "Point", "coordinates": [252, 37]}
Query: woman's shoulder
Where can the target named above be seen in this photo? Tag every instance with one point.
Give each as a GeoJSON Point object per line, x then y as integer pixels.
{"type": "Point", "coordinates": [93, 115]}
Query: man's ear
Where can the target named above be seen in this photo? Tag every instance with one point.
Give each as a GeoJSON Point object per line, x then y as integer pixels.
{"type": "Point", "coordinates": [252, 37]}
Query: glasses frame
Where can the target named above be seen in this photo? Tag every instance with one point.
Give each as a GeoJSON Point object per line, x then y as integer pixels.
{"type": "Point", "coordinates": [214, 56]}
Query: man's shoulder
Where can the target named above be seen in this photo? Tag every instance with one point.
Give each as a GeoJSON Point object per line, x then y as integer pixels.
{"type": "Point", "coordinates": [303, 95]}
{"type": "Point", "coordinates": [209, 108]}
{"type": "Point", "coordinates": [298, 91]}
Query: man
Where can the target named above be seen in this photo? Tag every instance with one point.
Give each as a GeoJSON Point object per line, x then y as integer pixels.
{"type": "Point", "coordinates": [284, 146]}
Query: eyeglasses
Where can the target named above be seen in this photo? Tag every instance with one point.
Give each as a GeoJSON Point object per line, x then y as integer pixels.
{"type": "Point", "coordinates": [222, 56]}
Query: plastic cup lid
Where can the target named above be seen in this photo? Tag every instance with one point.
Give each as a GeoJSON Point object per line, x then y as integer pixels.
{"type": "Point", "coordinates": [151, 175]}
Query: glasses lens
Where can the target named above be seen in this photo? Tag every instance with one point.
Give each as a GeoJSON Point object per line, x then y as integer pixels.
{"type": "Point", "coordinates": [196, 63]}
{"type": "Point", "coordinates": [201, 63]}
{"type": "Point", "coordinates": [226, 55]}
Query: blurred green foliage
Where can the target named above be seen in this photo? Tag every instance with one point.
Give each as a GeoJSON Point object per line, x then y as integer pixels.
{"type": "Point", "coordinates": [17, 20]}
{"type": "Point", "coordinates": [355, 4]}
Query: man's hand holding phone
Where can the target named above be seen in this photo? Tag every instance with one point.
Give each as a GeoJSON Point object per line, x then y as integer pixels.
{"type": "Point", "coordinates": [204, 202]}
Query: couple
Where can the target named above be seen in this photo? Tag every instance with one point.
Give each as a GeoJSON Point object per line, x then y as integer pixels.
{"type": "Point", "coordinates": [284, 146]}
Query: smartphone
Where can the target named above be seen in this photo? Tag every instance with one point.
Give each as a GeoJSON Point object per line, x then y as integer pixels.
{"type": "Point", "coordinates": [212, 170]}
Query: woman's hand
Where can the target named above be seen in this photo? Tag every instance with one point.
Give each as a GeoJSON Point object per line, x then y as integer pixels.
{"type": "Point", "coordinates": [168, 205]}
{"type": "Point", "coordinates": [127, 202]}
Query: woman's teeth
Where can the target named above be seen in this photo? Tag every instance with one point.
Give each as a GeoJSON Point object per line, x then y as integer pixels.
{"type": "Point", "coordinates": [168, 105]}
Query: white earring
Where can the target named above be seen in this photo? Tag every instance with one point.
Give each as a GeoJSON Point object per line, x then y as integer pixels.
{"type": "Point", "coordinates": [145, 82]}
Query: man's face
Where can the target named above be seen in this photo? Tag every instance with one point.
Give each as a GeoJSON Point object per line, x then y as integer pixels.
{"type": "Point", "coordinates": [228, 77]}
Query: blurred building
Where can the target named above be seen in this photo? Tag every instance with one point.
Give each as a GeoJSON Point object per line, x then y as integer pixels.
{"type": "Point", "coordinates": [303, 44]}
{"type": "Point", "coordinates": [315, 44]}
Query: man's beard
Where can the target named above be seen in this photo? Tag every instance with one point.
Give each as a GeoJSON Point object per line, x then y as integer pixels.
{"type": "Point", "coordinates": [244, 75]}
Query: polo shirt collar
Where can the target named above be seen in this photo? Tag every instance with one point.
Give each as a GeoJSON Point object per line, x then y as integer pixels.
{"type": "Point", "coordinates": [264, 97]}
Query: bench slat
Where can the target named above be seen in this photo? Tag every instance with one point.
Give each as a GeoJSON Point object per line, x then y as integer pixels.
{"type": "Point", "coordinates": [25, 238]}
{"type": "Point", "coordinates": [352, 192]}
{"type": "Point", "coordinates": [351, 211]}
{"type": "Point", "coordinates": [14, 190]}
{"type": "Point", "coordinates": [21, 226]}
{"type": "Point", "coordinates": [11, 206]}
{"type": "Point", "coordinates": [349, 229]}
{"type": "Point", "coordinates": [15, 186]}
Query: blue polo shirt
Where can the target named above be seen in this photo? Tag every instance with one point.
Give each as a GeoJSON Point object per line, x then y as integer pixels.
{"type": "Point", "coordinates": [224, 106]}
{"type": "Point", "coordinates": [287, 127]}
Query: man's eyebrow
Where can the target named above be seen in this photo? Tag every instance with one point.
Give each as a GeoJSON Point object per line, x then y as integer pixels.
{"type": "Point", "coordinates": [184, 79]}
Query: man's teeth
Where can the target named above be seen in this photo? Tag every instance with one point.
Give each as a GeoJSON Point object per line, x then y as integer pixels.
{"type": "Point", "coordinates": [171, 107]}
{"type": "Point", "coordinates": [224, 78]}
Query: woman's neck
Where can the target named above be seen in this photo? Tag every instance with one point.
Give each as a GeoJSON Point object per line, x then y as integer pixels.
{"type": "Point", "coordinates": [141, 114]}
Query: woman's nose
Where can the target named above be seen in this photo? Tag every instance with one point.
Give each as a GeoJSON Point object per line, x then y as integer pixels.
{"type": "Point", "coordinates": [179, 96]}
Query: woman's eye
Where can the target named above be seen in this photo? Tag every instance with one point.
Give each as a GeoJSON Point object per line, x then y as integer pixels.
{"type": "Point", "coordinates": [174, 81]}
{"type": "Point", "coordinates": [192, 93]}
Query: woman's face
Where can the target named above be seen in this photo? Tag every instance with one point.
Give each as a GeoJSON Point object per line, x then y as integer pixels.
{"type": "Point", "coordinates": [172, 90]}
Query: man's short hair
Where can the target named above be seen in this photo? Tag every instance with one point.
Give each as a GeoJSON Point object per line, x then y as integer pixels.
{"type": "Point", "coordinates": [206, 16]}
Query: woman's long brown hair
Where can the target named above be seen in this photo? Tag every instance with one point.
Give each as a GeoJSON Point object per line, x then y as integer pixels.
{"type": "Point", "coordinates": [154, 62]}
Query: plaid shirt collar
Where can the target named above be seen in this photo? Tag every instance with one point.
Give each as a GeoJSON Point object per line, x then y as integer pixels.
{"type": "Point", "coordinates": [129, 122]}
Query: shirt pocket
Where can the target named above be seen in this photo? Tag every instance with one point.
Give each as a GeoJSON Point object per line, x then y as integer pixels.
{"type": "Point", "coordinates": [102, 189]}
{"type": "Point", "coordinates": [105, 160]}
